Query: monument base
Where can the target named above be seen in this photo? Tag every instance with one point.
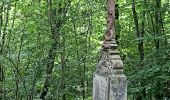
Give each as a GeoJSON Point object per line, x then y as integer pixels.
{"type": "Point", "coordinates": [100, 87]}
{"type": "Point", "coordinates": [112, 87]}
{"type": "Point", "coordinates": [118, 87]}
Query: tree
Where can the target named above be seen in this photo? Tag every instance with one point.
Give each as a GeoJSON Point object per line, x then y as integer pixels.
{"type": "Point", "coordinates": [49, 49]}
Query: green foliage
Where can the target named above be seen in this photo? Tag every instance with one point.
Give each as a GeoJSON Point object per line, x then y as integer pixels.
{"type": "Point", "coordinates": [27, 31]}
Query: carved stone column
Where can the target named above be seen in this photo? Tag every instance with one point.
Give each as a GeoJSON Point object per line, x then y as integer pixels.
{"type": "Point", "coordinates": [109, 82]}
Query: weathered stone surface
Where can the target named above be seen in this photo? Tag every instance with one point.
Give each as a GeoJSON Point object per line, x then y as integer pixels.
{"type": "Point", "coordinates": [100, 87]}
{"type": "Point", "coordinates": [109, 87]}
{"type": "Point", "coordinates": [118, 87]}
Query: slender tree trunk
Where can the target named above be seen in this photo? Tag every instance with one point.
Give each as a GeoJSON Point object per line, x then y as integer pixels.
{"type": "Point", "coordinates": [158, 33]}
{"type": "Point", "coordinates": [4, 18]}
{"type": "Point", "coordinates": [1, 51]}
{"type": "Point", "coordinates": [143, 31]}
{"type": "Point", "coordinates": [118, 27]}
{"type": "Point", "coordinates": [139, 35]}
{"type": "Point", "coordinates": [63, 70]}
{"type": "Point", "coordinates": [157, 23]}
{"type": "Point", "coordinates": [52, 50]}
{"type": "Point", "coordinates": [12, 25]}
{"type": "Point", "coordinates": [84, 65]}
{"type": "Point", "coordinates": [84, 78]}
{"type": "Point", "coordinates": [56, 23]}
{"type": "Point", "coordinates": [77, 51]}
{"type": "Point", "coordinates": [17, 73]}
{"type": "Point", "coordinates": [135, 17]}
{"type": "Point", "coordinates": [142, 43]}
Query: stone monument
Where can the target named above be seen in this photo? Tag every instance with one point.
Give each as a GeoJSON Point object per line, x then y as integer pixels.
{"type": "Point", "coordinates": [109, 82]}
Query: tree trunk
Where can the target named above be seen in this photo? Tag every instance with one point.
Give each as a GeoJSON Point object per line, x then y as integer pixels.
{"type": "Point", "coordinates": [117, 24]}
{"type": "Point", "coordinates": [55, 24]}
{"type": "Point", "coordinates": [139, 35]}
{"type": "Point", "coordinates": [157, 23]}
{"type": "Point", "coordinates": [63, 70]}
{"type": "Point", "coordinates": [1, 51]}
{"type": "Point", "coordinates": [4, 18]}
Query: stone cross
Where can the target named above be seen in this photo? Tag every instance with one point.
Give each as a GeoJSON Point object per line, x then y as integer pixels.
{"type": "Point", "coordinates": [109, 82]}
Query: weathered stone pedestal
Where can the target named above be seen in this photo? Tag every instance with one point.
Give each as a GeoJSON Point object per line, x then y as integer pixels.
{"type": "Point", "coordinates": [101, 87]}
{"type": "Point", "coordinates": [109, 88]}
{"type": "Point", "coordinates": [118, 88]}
{"type": "Point", "coordinates": [109, 82]}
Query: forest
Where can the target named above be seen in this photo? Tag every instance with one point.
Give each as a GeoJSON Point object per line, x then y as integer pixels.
{"type": "Point", "coordinates": [49, 48]}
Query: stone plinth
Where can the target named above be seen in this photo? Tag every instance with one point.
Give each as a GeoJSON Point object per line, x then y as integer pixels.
{"type": "Point", "coordinates": [118, 87]}
{"type": "Point", "coordinates": [109, 87]}
{"type": "Point", "coordinates": [101, 87]}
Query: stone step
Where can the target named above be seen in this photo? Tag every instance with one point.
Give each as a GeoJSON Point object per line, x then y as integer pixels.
{"type": "Point", "coordinates": [114, 52]}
